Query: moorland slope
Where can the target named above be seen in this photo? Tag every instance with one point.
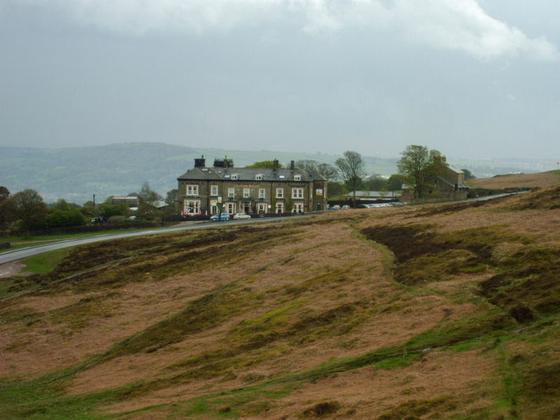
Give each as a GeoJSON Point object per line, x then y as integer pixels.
{"type": "Point", "coordinates": [433, 311]}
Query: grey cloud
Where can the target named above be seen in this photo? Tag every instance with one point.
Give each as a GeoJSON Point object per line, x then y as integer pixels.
{"type": "Point", "coordinates": [461, 25]}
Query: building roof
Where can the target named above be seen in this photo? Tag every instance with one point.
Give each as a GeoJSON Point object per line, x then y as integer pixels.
{"type": "Point", "coordinates": [375, 194]}
{"type": "Point", "coordinates": [124, 197]}
{"type": "Point", "coordinates": [453, 169]}
{"type": "Point", "coordinates": [247, 174]}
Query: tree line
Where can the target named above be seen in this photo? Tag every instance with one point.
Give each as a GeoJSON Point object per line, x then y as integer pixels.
{"type": "Point", "coordinates": [26, 211]}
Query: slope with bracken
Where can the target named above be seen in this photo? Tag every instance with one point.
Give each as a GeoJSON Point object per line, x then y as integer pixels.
{"type": "Point", "coordinates": [429, 311]}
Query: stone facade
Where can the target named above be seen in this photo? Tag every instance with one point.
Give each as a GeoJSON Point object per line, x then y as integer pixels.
{"type": "Point", "coordinates": [209, 190]}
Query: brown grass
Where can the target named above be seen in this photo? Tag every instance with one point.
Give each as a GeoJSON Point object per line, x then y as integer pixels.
{"type": "Point", "coordinates": [538, 180]}
{"type": "Point", "coordinates": [460, 380]}
{"type": "Point", "coordinates": [273, 303]}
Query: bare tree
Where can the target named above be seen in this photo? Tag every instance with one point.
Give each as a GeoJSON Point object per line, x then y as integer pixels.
{"type": "Point", "coordinates": [351, 167]}
{"type": "Point", "coordinates": [325, 170]}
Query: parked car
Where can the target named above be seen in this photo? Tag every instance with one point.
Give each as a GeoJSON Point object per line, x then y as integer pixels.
{"type": "Point", "coordinates": [241, 216]}
{"type": "Point", "coordinates": [222, 217]}
{"type": "Point", "coordinates": [335, 207]}
{"type": "Point", "coordinates": [345, 207]}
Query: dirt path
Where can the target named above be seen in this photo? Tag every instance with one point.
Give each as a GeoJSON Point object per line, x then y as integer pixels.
{"type": "Point", "coordinates": [10, 269]}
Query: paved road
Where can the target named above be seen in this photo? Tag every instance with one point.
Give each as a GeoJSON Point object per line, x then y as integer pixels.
{"type": "Point", "coordinates": [19, 254]}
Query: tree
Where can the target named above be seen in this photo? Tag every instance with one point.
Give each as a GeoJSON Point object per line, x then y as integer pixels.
{"type": "Point", "coordinates": [336, 189]}
{"type": "Point", "coordinates": [4, 193]}
{"type": "Point", "coordinates": [71, 216]}
{"type": "Point", "coordinates": [468, 174]}
{"type": "Point", "coordinates": [264, 164]}
{"type": "Point", "coordinates": [7, 211]}
{"type": "Point", "coordinates": [420, 167]}
{"type": "Point", "coordinates": [314, 168]}
{"type": "Point", "coordinates": [107, 210]}
{"type": "Point", "coordinates": [171, 198]}
{"type": "Point", "coordinates": [30, 210]}
{"type": "Point", "coordinates": [375, 183]}
{"type": "Point", "coordinates": [328, 171]}
{"type": "Point", "coordinates": [395, 182]}
{"type": "Point", "coordinates": [351, 167]}
{"type": "Point", "coordinates": [148, 195]}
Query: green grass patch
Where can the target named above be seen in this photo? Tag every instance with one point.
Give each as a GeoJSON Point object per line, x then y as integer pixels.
{"type": "Point", "coordinates": [45, 263]}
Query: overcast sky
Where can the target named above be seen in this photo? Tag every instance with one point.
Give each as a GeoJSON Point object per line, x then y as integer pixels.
{"type": "Point", "coordinates": [475, 79]}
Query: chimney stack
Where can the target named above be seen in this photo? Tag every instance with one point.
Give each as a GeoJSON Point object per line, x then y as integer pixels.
{"type": "Point", "coordinates": [275, 164]}
{"type": "Point", "coordinates": [292, 165]}
{"type": "Point", "coordinates": [200, 162]}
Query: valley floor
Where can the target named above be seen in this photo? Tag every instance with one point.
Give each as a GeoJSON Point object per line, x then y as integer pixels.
{"type": "Point", "coordinates": [433, 311]}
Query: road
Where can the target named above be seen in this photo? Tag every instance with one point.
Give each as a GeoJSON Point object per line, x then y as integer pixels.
{"type": "Point", "coordinates": [22, 253]}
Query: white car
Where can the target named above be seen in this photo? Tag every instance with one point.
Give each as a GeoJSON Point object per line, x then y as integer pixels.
{"type": "Point", "coordinates": [241, 216]}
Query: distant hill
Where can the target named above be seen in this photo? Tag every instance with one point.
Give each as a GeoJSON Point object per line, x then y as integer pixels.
{"type": "Point", "coordinates": [541, 180]}
{"type": "Point", "coordinates": [75, 173]}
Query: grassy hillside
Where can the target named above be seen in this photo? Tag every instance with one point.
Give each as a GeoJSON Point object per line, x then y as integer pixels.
{"type": "Point", "coordinates": [436, 311]}
{"type": "Point", "coordinates": [538, 180]}
{"type": "Point", "coordinates": [75, 173]}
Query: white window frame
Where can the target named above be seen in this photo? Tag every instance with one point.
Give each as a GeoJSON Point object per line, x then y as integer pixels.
{"type": "Point", "coordinates": [246, 192]}
{"type": "Point", "coordinates": [191, 190]}
{"type": "Point", "coordinates": [259, 177]}
{"type": "Point", "coordinates": [297, 193]}
{"type": "Point", "coordinates": [279, 192]}
{"type": "Point", "coordinates": [191, 207]}
{"type": "Point", "coordinates": [280, 206]}
{"type": "Point", "coordinates": [231, 192]}
{"type": "Point", "coordinates": [297, 177]}
{"type": "Point", "coordinates": [235, 177]}
{"type": "Point", "coordinates": [262, 193]}
{"type": "Point", "coordinates": [262, 208]}
{"type": "Point", "coordinates": [214, 190]}
{"type": "Point", "coordinates": [298, 208]}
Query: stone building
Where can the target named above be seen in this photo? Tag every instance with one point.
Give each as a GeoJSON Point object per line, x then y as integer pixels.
{"type": "Point", "coordinates": [208, 190]}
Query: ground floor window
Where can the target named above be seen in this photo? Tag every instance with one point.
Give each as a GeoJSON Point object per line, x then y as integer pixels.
{"type": "Point", "coordinates": [279, 208]}
{"type": "Point", "coordinates": [214, 207]}
{"type": "Point", "coordinates": [230, 208]}
{"type": "Point", "coordinates": [192, 207]}
{"type": "Point", "coordinates": [261, 208]}
{"type": "Point", "coordinates": [297, 208]}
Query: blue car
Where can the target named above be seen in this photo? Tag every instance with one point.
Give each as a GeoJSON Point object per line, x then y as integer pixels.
{"type": "Point", "coordinates": [222, 217]}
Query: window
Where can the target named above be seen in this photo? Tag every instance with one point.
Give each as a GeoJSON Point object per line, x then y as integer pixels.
{"type": "Point", "coordinates": [259, 177]}
{"type": "Point", "coordinates": [279, 208]}
{"type": "Point", "coordinates": [297, 177]}
{"type": "Point", "coordinates": [297, 193]}
{"type": "Point", "coordinates": [231, 192]}
{"type": "Point", "coordinates": [298, 208]}
{"type": "Point", "coordinates": [319, 192]}
{"type": "Point", "coordinates": [246, 192]}
{"type": "Point", "coordinates": [230, 208]}
{"type": "Point", "coordinates": [213, 190]}
{"type": "Point", "coordinates": [262, 193]}
{"type": "Point", "coordinates": [192, 190]}
{"type": "Point", "coordinates": [261, 208]}
{"type": "Point", "coordinates": [279, 192]}
{"type": "Point", "coordinates": [234, 176]}
{"type": "Point", "coordinates": [191, 207]}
